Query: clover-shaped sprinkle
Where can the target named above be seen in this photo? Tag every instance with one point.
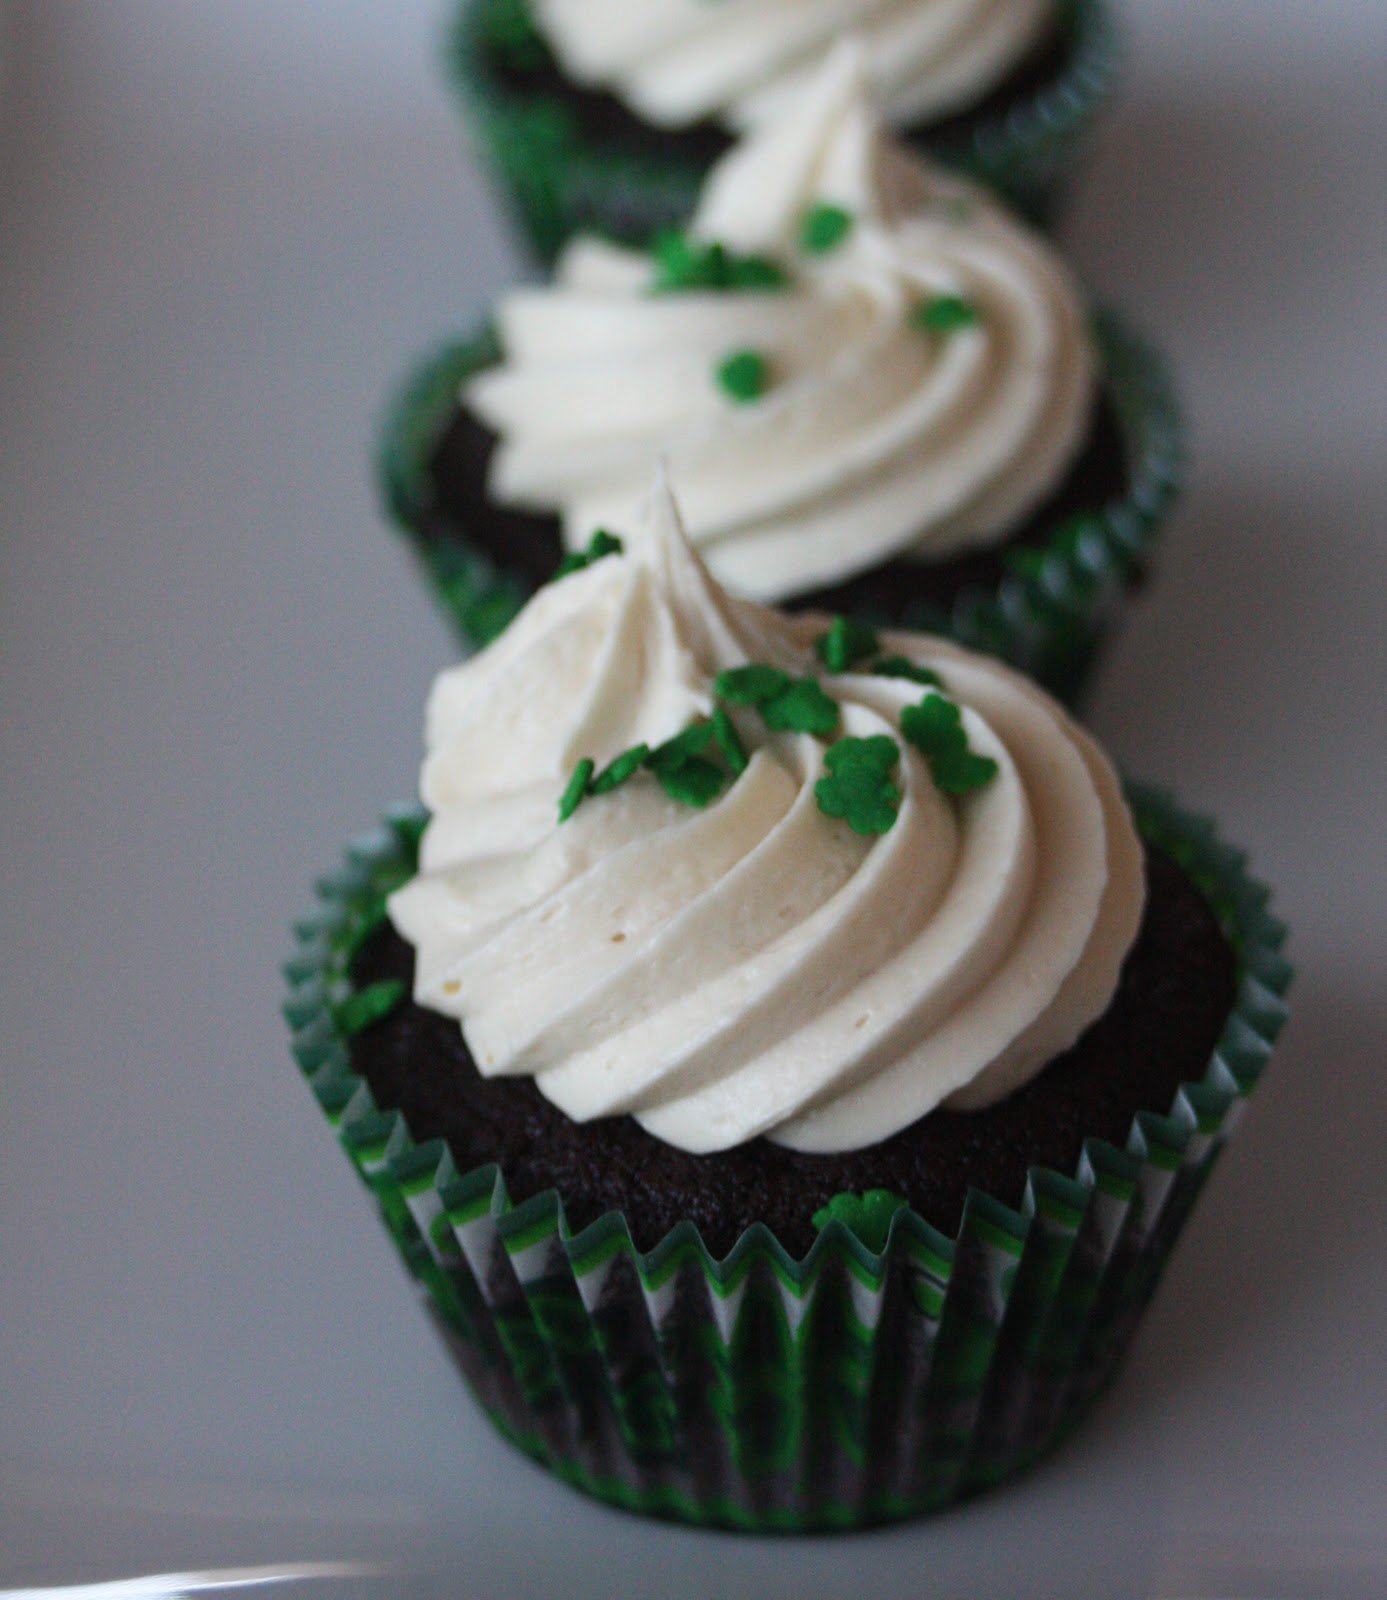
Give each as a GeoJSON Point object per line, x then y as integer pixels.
{"type": "Point", "coordinates": [823, 228]}
{"type": "Point", "coordinates": [856, 786]}
{"type": "Point", "coordinates": [683, 771]}
{"type": "Point", "coordinates": [683, 265]}
{"type": "Point", "coordinates": [601, 544]}
{"type": "Point", "coordinates": [743, 376]}
{"type": "Point", "coordinates": [757, 274]}
{"type": "Point", "coordinates": [786, 704]}
{"type": "Point", "coordinates": [359, 1010]}
{"type": "Point", "coordinates": [683, 746]}
{"type": "Point", "coordinates": [935, 728]}
{"type": "Point", "coordinates": [751, 685]}
{"type": "Point", "coordinates": [945, 313]}
{"type": "Point", "coordinates": [845, 644]}
{"type": "Point", "coordinates": [904, 667]}
{"type": "Point", "coordinates": [696, 782]}
{"type": "Point", "coordinates": [801, 708]}
{"type": "Point", "coordinates": [867, 1215]}
{"type": "Point", "coordinates": [680, 765]}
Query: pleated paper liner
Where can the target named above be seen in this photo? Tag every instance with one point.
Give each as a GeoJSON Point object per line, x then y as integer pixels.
{"type": "Point", "coordinates": [866, 1382]}
{"type": "Point", "coordinates": [563, 173]}
{"type": "Point", "coordinates": [1049, 614]}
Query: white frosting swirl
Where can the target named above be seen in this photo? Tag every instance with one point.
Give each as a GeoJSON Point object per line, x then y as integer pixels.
{"type": "Point", "coordinates": [676, 62]}
{"type": "Point", "coordinates": [875, 439]}
{"type": "Point", "coordinates": [755, 967]}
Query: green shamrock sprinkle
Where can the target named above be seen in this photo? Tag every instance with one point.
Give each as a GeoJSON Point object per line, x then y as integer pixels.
{"type": "Point", "coordinates": [693, 741]}
{"type": "Point", "coordinates": [695, 782]}
{"type": "Point", "coordinates": [962, 773]}
{"type": "Point", "coordinates": [867, 1215]}
{"type": "Point", "coordinates": [801, 708]}
{"type": "Point", "coordinates": [601, 544]}
{"type": "Point", "coordinates": [751, 686]}
{"type": "Point", "coordinates": [845, 644]}
{"type": "Point", "coordinates": [683, 265]}
{"type": "Point", "coordinates": [856, 787]}
{"type": "Point", "coordinates": [786, 704]}
{"type": "Point", "coordinates": [358, 1011]}
{"type": "Point", "coordinates": [625, 766]}
{"type": "Point", "coordinates": [683, 771]}
{"type": "Point", "coordinates": [729, 741]}
{"type": "Point", "coordinates": [945, 313]}
{"type": "Point", "coordinates": [935, 728]}
{"type": "Point", "coordinates": [681, 766]}
{"type": "Point", "coordinates": [572, 796]}
{"type": "Point", "coordinates": [757, 274]}
{"type": "Point", "coordinates": [743, 376]}
{"type": "Point", "coordinates": [823, 228]}
{"type": "Point", "coordinates": [903, 667]}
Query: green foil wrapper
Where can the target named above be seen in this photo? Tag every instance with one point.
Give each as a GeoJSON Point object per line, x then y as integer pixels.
{"type": "Point", "coordinates": [560, 181]}
{"type": "Point", "coordinates": [1049, 615]}
{"type": "Point", "coordinates": [763, 1392]}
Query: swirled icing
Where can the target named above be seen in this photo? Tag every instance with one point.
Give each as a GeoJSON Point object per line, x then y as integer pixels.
{"type": "Point", "coordinates": [876, 439]}
{"type": "Point", "coordinates": [676, 62]}
{"type": "Point", "coordinates": [754, 967]}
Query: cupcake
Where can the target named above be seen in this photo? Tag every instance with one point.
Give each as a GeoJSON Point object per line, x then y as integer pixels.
{"type": "Point", "coordinates": [603, 116]}
{"type": "Point", "coordinates": [877, 391]}
{"type": "Point", "coordinates": [784, 1058]}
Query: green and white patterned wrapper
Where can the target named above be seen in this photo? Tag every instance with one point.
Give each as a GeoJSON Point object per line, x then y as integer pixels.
{"type": "Point", "coordinates": [1049, 614]}
{"type": "Point", "coordinates": [761, 1392]}
{"type": "Point", "coordinates": [559, 183]}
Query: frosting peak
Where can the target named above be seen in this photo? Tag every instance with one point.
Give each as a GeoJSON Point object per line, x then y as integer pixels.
{"type": "Point", "coordinates": [752, 956]}
{"type": "Point", "coordinates": [905, 371]}
{"type": "Point", "coordinates": [828, 148]}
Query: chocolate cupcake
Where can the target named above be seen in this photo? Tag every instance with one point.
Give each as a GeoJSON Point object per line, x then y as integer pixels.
{"type": "Point", "coordinates": [787, 1061]}
{"type": "Point", "coordinates": [605, 117]}
{"type": "Point", "coordinates": [877, 393]}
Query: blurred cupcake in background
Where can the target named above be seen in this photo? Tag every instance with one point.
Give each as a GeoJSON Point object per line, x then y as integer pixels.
{"type": "Point", "coordinates": [877, 391]}
{"type": "Point", "coordinates": [605, 115]}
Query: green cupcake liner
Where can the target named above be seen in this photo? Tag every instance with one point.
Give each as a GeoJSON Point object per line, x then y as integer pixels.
{"type": "Point", "coordinates": [850, 1387]}
{"type": "Point", "coordinates": [1049, 615]}
{"type": "Point", "coordinates": [560, 181]}
{"type": "Point", "coordinates": [478, 598]}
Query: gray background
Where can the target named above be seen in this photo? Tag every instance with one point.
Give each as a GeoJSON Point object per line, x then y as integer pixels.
{"type": "Point", "coordinates": [223, 231]}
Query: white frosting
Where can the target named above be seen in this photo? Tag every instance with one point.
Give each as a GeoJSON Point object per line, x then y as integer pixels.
{"type": "Point", "coordinates": [755, 967]}
{"type": "Point", "coordinates": [676, 62]}
{"type": "Point", "coordinates": [875, 440]}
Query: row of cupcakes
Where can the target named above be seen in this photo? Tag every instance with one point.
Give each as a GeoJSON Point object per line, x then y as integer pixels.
{"type": "Point", "coordinates": [782, 1049]}
{"type": "Point", "coordinates": [877, 389]}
